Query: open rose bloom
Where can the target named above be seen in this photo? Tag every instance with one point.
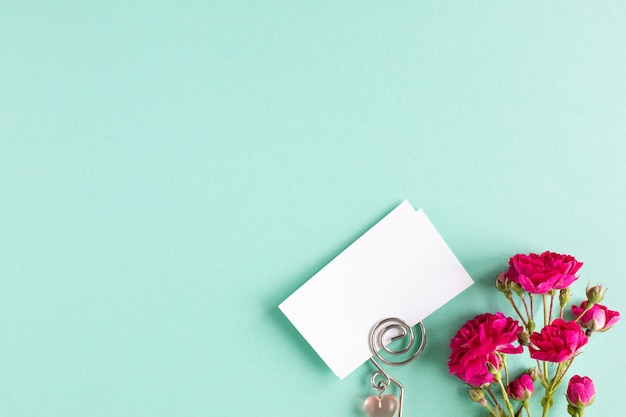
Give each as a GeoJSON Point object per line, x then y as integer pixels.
{"type": "Point", "coordinates": [598, 318]}
{"type": "Point", "coordinates": [538, 288]}
{"type": "Point", "coordinates": [477, 343]}
{"type": "Point", "coordinates": [557, 342]}
{"type": "Point", "coordinates": [539, 274]}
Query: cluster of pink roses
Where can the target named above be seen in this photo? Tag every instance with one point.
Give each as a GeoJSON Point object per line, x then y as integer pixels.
{"type": "Point", "coordinates": [480, 346]}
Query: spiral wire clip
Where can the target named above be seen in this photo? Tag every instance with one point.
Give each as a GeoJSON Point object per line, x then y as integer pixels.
{"type": "Point", "coordinates": [380, 379]}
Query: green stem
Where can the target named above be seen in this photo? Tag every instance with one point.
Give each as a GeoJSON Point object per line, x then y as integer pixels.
{"type": "Point", "coordinates": [544, 298]}
{"type": "Point", "coordinates": [493, 397]}
{"type": "Point", "coordinates": [543, 377]}
{"type": "Point", "coordinates": [506, 368]}
{"type": "Point", "coordinates": [491, 412]}
{"type": "Point", "coordinates": [547, 403]}
{"type": "Point", "coordinates": [580, 316]}
{"type": "Point", "coordinates": [506, 397]}
{"type": "Point", "coordinates": [548, 399]}
{"type": "Point", "coordinates": [525, 306]}
{"type": "Point", "coordinates": [558, 378]}
{"type": "Point", "coordinates": [551, 306]}
{"type": "Point", "coordinates": [527, 408]}
{"type": "Point", "coordinates": [519, 313]}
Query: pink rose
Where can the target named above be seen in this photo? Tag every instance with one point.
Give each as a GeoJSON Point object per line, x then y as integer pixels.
{"type": "Point", "coordinates": [557, 342]}
{"type": "Point", "coordinates": [521, 388]}
{"type": "Point", "coordinates": [598, 318]}
{"type": "Point", "coordinates": [477, 342]}
{"type": "Point", "coordinates": [538, 274]}
{"type": "Point", "coordinates": [580, 391]}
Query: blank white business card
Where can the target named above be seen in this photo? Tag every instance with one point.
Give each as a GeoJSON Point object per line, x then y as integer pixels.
{"type": "Point", "coordinates": [401, 267]}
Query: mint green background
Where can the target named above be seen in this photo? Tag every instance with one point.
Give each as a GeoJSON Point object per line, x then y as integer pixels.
{"type": "Point", "coordinates": [170, 172]}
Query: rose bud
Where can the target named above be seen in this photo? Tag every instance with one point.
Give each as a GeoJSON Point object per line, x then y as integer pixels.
{"type": "Point", "coordinates": [595, 294]}
{"type": "Point", "coordinates": [564, 296]}
{"type": "Point", "coordinates": [597, 318]}
{"type": "Point", "coordinates": [523, 338]}
{"type": "Point", "coordinates": [534, 374]}
{"type": "Point", "coordinates": [503, 284]}
{"type": "Point", "coordinates": [478, 395]}
{"type": "Point", "coordinates": [518, 289]}
{"type": "Point", "coordinates": [580, 391]}
{"type": "Point", "coordinates": [493, 370]}
{"type": "Point", "coordinates": [522, 388]}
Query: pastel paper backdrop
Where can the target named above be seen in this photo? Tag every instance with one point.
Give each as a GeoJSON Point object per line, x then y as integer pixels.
{"type": "Point", "coordinates": [171, 172]}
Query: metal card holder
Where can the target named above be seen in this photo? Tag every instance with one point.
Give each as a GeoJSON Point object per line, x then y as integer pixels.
{"type": "Point", "coordinates": [386, 406]}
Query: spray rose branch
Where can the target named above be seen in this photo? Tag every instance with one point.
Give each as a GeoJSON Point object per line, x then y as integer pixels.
{"type": "Point", "coordinates": [480, 347]}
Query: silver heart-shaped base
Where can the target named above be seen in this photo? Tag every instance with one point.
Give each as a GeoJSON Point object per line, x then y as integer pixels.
{"type": "Point", "coordinates": [376, 406]}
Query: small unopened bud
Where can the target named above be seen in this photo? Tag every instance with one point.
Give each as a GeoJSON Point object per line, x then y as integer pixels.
{"type": "Point", "coordinates": [492, 369]}
{"type": "Point", "coordinates": [476, 394]}
{"type": "Point", "coordinates": [517, 288]}
{"type": "Point", "coordinates": [523, 338]}
{"type": "Point", "coordinates": [503, 284]}
{"type": "Point", "coordinates": [530, 326]}
{"type": "Point", "coordinates": [534, 374]}
{"type": "Point", "coordinates": [594, 295]}
{"type": "Point", "coordinates": [564, 296]}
